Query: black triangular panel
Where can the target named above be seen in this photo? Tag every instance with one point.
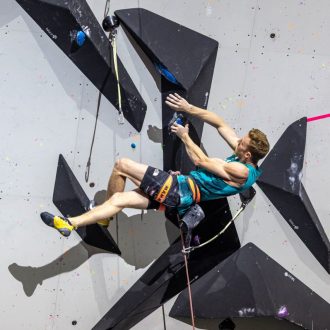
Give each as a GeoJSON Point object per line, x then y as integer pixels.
{"type": "Point", "coordinates": [300, 215]}
{"type": "Point", "coordinates": [281, 182]}
{"type": "Point", "coordinates": [187, 55]}
{"type": "Point", "coordinates": [282, 168]}
{"type": "Point", "coordinates": [59, 19]}
{"type": "Point", "coordinates": [250, 284]}
{"type": "Point", "coordinates": [71, 200]}
{"type": "Point", "coordinates": [182, 51]}
{"type": "Point", "coordinates": [166, 276]}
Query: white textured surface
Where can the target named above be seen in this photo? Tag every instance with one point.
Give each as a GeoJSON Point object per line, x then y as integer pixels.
{"type": "Point", "coordinates": [48, 107]}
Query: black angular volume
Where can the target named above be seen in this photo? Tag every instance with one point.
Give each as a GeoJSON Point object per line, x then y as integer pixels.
{"type": "Point", "coordinates": [250, 284]}
{"type": "Point", "coordinates": [281, 182]}
{"type": "Point", "coordinates": [75, 30]}
{"type": "Point", "coordinates": [166, 277]}
{"type": "Point", "coordinates": [185, 62]}
{"type": "Point", "coordinates": [71, 200]}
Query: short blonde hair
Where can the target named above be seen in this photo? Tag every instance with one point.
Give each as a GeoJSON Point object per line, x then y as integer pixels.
{"type": "Point", "coordinates": [259, 145]}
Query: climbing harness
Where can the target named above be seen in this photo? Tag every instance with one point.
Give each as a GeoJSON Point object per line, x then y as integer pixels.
{"type": "Point", "coordinates": [164, 190]}
{"type": "Point", "coordinates": [196, 195]}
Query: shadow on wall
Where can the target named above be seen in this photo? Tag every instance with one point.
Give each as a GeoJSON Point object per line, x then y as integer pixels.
{"type": "Point", "coordinates": [134, 255]}
{"type": "Point", "coordinates": [143, 239]}
{"type": "Point", "coordinates": [155, 134]}
{"type": "Point", "coordinates": [30, 276]}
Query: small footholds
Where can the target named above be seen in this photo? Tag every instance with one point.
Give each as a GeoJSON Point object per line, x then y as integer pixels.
{"type": "Point", "coordinates": [272, 35]}
{"type": "Point", "coordinates": [133, 145]}
{"type": "Point", "coordinates": [74, 322]}
{"type": "Point", "coordinates": [92, 184]}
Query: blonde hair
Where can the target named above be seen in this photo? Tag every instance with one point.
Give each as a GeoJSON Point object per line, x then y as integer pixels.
{"type": "Point", "coordinates": [259, 145]}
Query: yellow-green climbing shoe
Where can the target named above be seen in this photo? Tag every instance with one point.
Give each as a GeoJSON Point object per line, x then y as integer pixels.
{"type": "Point", "coordinates": [63, 225]}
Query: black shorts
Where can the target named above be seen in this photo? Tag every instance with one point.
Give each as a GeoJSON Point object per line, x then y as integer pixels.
{"type": "Point", "coordinates": [152, 184]}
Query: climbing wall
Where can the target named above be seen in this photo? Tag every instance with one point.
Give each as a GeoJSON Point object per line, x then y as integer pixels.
{"type": "Point", "coordinates": [270, 71]}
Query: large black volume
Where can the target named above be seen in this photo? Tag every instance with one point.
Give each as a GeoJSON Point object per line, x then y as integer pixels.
{"type": "Point", "coordinates": [185, 59]}
{"type": "Point", "coordinates": [92, 54]}
{"type": "Point", "coordinates": [281, 182]}
{"type": "Point", "coordinates": [166, 277]}
{"type": "Point", "coordinates": [250, 284]}
{"type": "Point", "coordinates": [71, 200]}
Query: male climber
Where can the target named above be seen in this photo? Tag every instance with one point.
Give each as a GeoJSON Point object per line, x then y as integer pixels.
{"type": "Point", "coordinates": [214, 178]}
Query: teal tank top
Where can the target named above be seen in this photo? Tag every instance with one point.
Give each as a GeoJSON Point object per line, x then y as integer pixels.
{"type": "Point", "coordinates": [212, 186]}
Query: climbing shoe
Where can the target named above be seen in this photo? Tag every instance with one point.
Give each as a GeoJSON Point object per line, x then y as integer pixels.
{"type": "Point", "coordinates": [105, 222]}
{"type": "Point", "coordinates": [63, 225]}
{"type": "Point", "coordinates": [98, 200]}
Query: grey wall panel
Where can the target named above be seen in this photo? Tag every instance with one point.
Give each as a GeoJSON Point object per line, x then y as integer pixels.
{"type": "Point", "coordinates": [25, 291]}
{"type": "Point", "coordinates": [300, 26]}
{"type": "Point", "coordinates": [48, 107]}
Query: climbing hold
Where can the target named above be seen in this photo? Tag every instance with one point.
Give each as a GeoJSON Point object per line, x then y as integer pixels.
{"type": "Point", "coordinates": [74, 322]}
{"type": "Point", "coordinates": [272, 35]}
{"type": "Point", "coordinates": [177, 118]}
{"type": "Point", "coordinates": [133, 145]}
{"type": "Point", "coordinates": [179, 121]}
{"type": "Point", "coordinates": [167, 74]}
{"type": "Point", "coordinates": [78, 37]}
{"type": "Point", "coordinates": [283, 312]}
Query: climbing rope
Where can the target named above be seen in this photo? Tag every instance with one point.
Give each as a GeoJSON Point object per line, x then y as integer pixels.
{"type": "Point", "coordinates": [112, 40]}
{"type": "Point", "coordinates": [188, 280]}
{"type": "Point", "coordinates": [192, 248]}
{"type": "Point", "coordinates": [187, 250]}
{"type": "Point", "coordinates": [115, 62]}
{"type": "Point", "coordinates": [106, 8]}
{"type": "Point", "coordinates": [88, 165]}
{"type": "Point", "coordinates": [246, 198]}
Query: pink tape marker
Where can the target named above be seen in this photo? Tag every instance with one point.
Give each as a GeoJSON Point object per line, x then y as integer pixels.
{"type": "Point", "coordinates": [327, 115]}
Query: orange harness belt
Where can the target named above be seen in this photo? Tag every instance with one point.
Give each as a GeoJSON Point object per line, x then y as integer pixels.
{"type": "Point", "coordinates": [161, 196]}
{"type": "Point", "coordinates": [194, 189]}
{"type": "Point", "coordinates": [164, 190]}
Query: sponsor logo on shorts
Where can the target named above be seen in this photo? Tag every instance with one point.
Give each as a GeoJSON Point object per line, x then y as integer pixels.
{"type": "Point", "coordinates": [156, 172]}
{"type": "Point", "coordinates": [163, 192]}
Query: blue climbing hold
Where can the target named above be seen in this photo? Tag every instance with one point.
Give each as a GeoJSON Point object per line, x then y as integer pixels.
{"type": "Point", "coordinates": [80, 38]}
{"type": "Point", "coordinates": [167, 74]}
{"type": "Point", "coordinates": [179, 121]}
{"type": "Point", "coordinates": [133, 145]}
